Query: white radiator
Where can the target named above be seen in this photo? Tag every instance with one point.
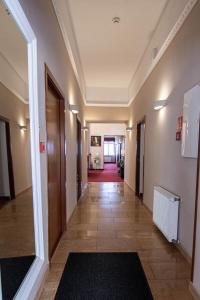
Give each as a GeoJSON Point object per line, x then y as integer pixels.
{"type": "Point", "coordinates": [166, 213]}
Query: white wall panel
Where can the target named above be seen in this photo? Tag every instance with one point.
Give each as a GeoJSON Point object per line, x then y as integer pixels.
{"type": "Point", "coordinates": [191, 113]}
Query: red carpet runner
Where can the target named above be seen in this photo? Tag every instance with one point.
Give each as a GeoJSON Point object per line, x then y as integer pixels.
{"type": "Point", "coordinates": [109, 174]}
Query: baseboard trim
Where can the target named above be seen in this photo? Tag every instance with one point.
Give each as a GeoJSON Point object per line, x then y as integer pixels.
{"type": "Point", "coordinates": [148, 210]}
{"type": "Point", "coordinates": [68, 221]}
{"type": "Point", "coordinates": [184, 253]}
{"type": "Point", "coordinates": [84, 189]}
{"type": "Point", "coordinates": [82, 194]}
{"type": "Point", "coordinates": [193, 291]}
{"type": "Point", "coordinates": [23, 191]}
{"type": "Point", "coordinates": [125, 181]}
{"type": "Point", "coordinates": [32, 282]}
{"type": "Point", "coordinates": [39, 292]}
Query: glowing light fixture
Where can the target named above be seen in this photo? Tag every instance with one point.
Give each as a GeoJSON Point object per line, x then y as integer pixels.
{"type": "Point", "coordinates": [23, 127]}
{"type": "Point", "coordinates": [85, 128]}
{"type": "Point", "coordinates": [129, 129]}
{"type": "Point", "coordinates": [158, 104]}
{"type": "Point", "coordinates": [74, 108]}
{"type": "Point", "coordinates": [116, 20]}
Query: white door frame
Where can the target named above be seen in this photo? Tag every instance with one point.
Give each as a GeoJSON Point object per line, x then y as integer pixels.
{"type": "Point", "coordinates": [33, 279]}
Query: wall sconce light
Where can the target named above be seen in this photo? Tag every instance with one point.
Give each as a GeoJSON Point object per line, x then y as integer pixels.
{"type": "Point", "coordinates": [122, 152]}
{"type": "Point", "coordinates": [85, 128]}
{"type": "Point", "coordinates": [74, 108]}
{"type": "Point", "coordinates": [23, 127]}
{"type": "Point", "coordinates": [129, 129]}
{"type": "Point", "coordinates": [158, 104]}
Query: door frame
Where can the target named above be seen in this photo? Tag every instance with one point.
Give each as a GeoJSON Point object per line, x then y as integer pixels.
{"type": "Point", "coordinates": [79, 157]}
{"type": "Point", "coordinates": [137, 168]}
{"type": "Point", "coordinates": [50, 82]}
{"type": "Point", "coordinates": [196, 210]}
{"type": "Point", "coordinates": [10, 161]}
{"type": "Point", "coordinates": [35, 275]}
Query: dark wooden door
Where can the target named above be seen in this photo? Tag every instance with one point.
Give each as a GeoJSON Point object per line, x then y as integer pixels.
{"type": "Point", "coordinates": [79, 172]}
{"type": "Point", "coordinates": [137, 177]}
{"type": "Point", "coordinates": [56, 163]}
{"type": "Point", "coordinates": [9, 160]}
{"type": "Point", "coordinates": [138, 161]}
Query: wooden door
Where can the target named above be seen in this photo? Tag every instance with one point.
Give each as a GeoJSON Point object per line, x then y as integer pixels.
{"type": "Point", "coordinates": [79, 173]}
{"type": "Point", "coordinates": [139, 167]}
{"type": "Point", "coordinates": [9, 161]}
{"type": "Point", "coordinates": [56, 163]}
{"type": "Point", "coordinates": [137, 177]}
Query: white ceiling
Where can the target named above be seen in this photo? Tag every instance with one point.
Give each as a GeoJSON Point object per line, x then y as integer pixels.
{"type": "Point", "coordinates": [13, 46]}
{"type": "Point", "coordinates": [110, 53]}
{"type": "Point", "coordinates": [112, 61]}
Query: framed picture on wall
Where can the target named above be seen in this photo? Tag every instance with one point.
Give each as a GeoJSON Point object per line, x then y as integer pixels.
{"type": "Point", "coordinates": [96, 141]}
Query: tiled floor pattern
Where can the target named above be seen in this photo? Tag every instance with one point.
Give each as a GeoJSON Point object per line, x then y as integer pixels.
{"type": "Point", "coordinates": [110, 218]}
{"type": "Point", "coordinates": [17, 227]}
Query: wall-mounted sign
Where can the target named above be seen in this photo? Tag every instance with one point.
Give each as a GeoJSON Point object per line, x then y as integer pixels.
{"type": "Point", "coordinates": [178, 135]}
{"type": "Point", "coordinates": [42, 147]}
{"type": "Point", "coordinates": [180, 123]}
{"type": "Point", "coordinates": [41, 144]}
{"type": "Point", "coordinates": [179, 128]}
{"type": "Point", "coordinates": [190, 132]}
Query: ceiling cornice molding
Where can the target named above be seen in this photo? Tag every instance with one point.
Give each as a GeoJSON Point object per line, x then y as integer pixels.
{"type": "Point", "coordinates": [12, 80]}
{"type": "Point", "coordinates": [107, 104]}
{"type": "Point", "coordinates": [125, 122]}
{"type": "Point", "coordinates": [66, 25]}
{"type": "Point", "coordinates": [144, 68]}
{"type": "Point", "coordinates": [182, 17]}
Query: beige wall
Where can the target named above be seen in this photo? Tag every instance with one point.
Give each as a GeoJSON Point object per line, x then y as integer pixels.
{"type": "Point", "coordinates": [52, 51]}
{"type": "Point", "coordinates": [178, 71]}
{"type": "Point", "coordinates": [106, 114]}
{"type": "Point", "coordinates": [16, 112]}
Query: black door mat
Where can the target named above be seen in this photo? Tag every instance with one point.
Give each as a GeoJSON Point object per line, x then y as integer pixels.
{"type": "Point", "coordinates": [103, 276]}
{"type": "Point", "coordinates": [13, 272]}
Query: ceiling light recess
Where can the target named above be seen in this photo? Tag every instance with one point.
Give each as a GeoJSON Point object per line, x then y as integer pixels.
{"type": "Point", "coordinates": [158, 104]}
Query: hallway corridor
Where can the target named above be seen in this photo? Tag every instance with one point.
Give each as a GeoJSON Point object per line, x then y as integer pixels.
{"type": "Point", "coordinates": [110, 219]}
{"type": "Point", "coordinates": [109, 174]}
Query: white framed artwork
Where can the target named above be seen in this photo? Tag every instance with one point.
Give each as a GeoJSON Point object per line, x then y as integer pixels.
{"type": "Point", "coordinates": [191, 117]}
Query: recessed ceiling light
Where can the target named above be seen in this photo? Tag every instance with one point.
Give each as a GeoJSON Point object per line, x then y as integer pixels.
{"type": "Point", "coordinates": [116, 20]}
